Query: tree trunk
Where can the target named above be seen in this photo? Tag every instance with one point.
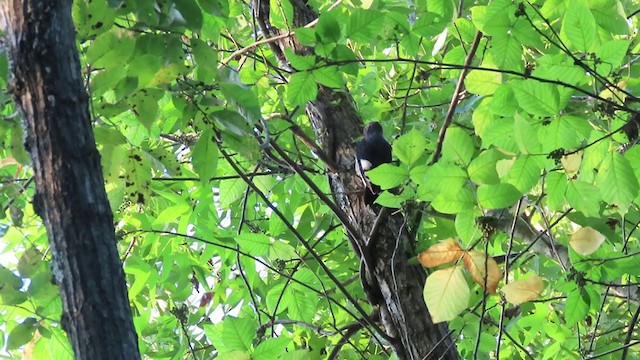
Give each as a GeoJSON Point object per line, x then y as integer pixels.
{"type": "Point", "coordinates": [397, 286]}
{"type": "Point", "coordinates": [70, 196]}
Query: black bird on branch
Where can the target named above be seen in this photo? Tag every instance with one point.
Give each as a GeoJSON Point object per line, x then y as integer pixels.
{"type": "Point", "coordinates": [371, 152]}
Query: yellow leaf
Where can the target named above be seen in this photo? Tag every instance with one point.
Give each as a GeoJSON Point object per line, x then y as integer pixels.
{"type": "Point", "coordinates": [441, 253]}
{"type": "Point", "coordinates": [483, 268]}
{"type": "Point", "coordinates": [616, 93]}
{"type": "Point", "coordinates": [525, 290]}
{"type": "Point", "coordinates": [571, 162]}
{"type": "Point", "coordinates": [586, 240]}
{"type": "Point", "coordinates": [446, 294]}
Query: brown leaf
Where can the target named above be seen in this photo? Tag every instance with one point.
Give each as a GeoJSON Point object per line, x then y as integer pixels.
{"type": "Point", "coordinates": [481, 266]}
{"type": "Point", "coordinates": [441, 253]}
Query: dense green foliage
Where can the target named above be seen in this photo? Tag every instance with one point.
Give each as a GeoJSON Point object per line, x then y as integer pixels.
{"type": "Point", "coordinates": [179, 120]}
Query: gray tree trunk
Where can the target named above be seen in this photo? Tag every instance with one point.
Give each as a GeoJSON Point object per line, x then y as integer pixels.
{"type": "Point", "coordinates": [70, 196]}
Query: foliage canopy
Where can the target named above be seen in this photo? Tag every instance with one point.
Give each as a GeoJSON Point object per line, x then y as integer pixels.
{"type": "Point", "coordinates": [185, 98]}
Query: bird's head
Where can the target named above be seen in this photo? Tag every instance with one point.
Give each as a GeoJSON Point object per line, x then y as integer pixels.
{"type": "Point", "coordinates": [372, 130]}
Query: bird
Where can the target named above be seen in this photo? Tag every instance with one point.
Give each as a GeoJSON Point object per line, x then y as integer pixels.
{"type": "Point", "coordinates": [372, 151]}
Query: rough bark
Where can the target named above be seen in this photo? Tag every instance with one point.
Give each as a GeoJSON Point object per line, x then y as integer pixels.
{"type": "Point", "coordinates": [70, 196]}
{"type": "Point", "coordinates": [397, 284]}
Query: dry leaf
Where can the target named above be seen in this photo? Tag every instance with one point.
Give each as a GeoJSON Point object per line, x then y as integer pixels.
{"type": "Point", "coordinates": [446, 294]}
{"type": "Point", "coordinates": [441, 253]}
{"type": "Point", "coordinates": [586, 240]}
{"type": "Point", "coordinates": [481, 266]}
{"type": "Point", "coordinates": [525, 290]}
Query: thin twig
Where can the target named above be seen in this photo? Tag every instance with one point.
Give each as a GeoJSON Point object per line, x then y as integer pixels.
{"type": "Point", "coordinates": [456, 97]}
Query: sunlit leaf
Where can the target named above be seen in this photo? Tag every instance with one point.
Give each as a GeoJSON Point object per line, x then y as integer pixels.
{"type": "Point", "coordinates": [498, 196]}
{"type": "Point", "coordinates": [617, 182]}
{"type": "Point", "coordinates": [521, 291]}
{"type": "Point", "coordinates": [483, 82]}
{"type": "Point", "coordinates": [446, 294]}
{"type": "Point", "coordinates": [457, 146]}
{"type": "Point", "coordinates": [586, 240]}
{"type": "Point", "coordinates": [580, 26]}
{"type": "Point", "coordinates": [576, 306]}
{"type": "Point", "coordinates": [571, 163]}
{"type": "Point", "coordinates": [388, 176]}
{"type": "Point", "coordinates": [409, 147]}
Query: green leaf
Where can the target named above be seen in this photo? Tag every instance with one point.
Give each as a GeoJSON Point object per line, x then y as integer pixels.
{"type": "Point", "coordinates": [584, 197]}
{"type": "Point", "coordinates": [110, 50]}
{"type": "Point", "coordinates": [302, 88]}
{"type": "Point", "coordinates": [306, 36]}
{"type": "Point", "coordinates": [466, 226]}
{"type": "Point", "coordinates": [576, 307]}
{"type": "Point", "coordinates": [428, 24]}
{"type": "Point", "coordinates": [525, 135]}
{"type": "Point", "coordinates": [566, 132]}
{"type": "Point", "coordinates": [191, 13]}
{"type": "Point", "coordinates": [17, 148]}
{"type": "Point", "coordinates": [281, 14]}
{"type": "Point", "coordinates": [21, 334]}
{"type": "Point", "coordinates": [8, 278]}
{"type": "Point", "coordinates": [462, 200]}
{"type": "Point", "coordinates": [482, 169]}
{"type": "Point", "coordinates": [238, 333]}
{"type": "Point", "coordinates": [507, 52]}
{"type": "Point", "coordinates": [612, 54]}
{"type": "Point", "coordinates": [205, 156]}
{"type": "Point", "coordinates": [537, 98]}
{"type": "Point", "coordinates": [496, 20]}
{"type": "Point", "coordinates": [580, 27]}
{"type": "Point", "coordinates": [205, 57]}
{"type": "Point", "coordinates": [172, 214]}
{"type": "Point", "coordinates": [483, 82]}
{"type": "Point", "coordinates": [230, 192]}
{"type": "Point", "coordinates": [301, 306]}
{"type": "Point", "coordinates": [524, 173]}
{"type": "Point", "coordinates": [12, 296]}
{"type": "Point", "coordinates": [300, 62]}
{"type": "Point", "coordinates": [439, 178]}
{"type": "Point", "coordinates": [254, 244]}
{"type": "Point", "coordinates": [271, 348]}
{"type": "Point", "coordinates": [410, 147]}
{"type": "Point", "coordinates": [617, 181]}
{"type": "Point", "coordinates": [390, 200]}
{"type": "Point", "coordinates": [493, 130]}
{"type": "Point", "coordinates": [329, 76]}
{"type": "Point", "coordinates": [457, 146]}
{"type": "Point", "coordinates": [144, 68]}
{"type": "Point", "coordinates": [245, 100]}
{"type": "Point", "coordinates": [364, 25]}
{"type": "Point", "coordinates": [233, 122]}
{"type": "Point", "coordinates": [328, 27]}
{"type": "Point", "coordinates": [29, 262]}
{"type": "Point", "coordinates": [556, 188]}
{"type": "Point", "coordinates": [388, 176]}
{"type": "Point", "coordinates": [498, 196]}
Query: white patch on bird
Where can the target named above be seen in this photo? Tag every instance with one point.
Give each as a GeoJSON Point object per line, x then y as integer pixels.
{"type": "Point", "coordinates": [365, 164]}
